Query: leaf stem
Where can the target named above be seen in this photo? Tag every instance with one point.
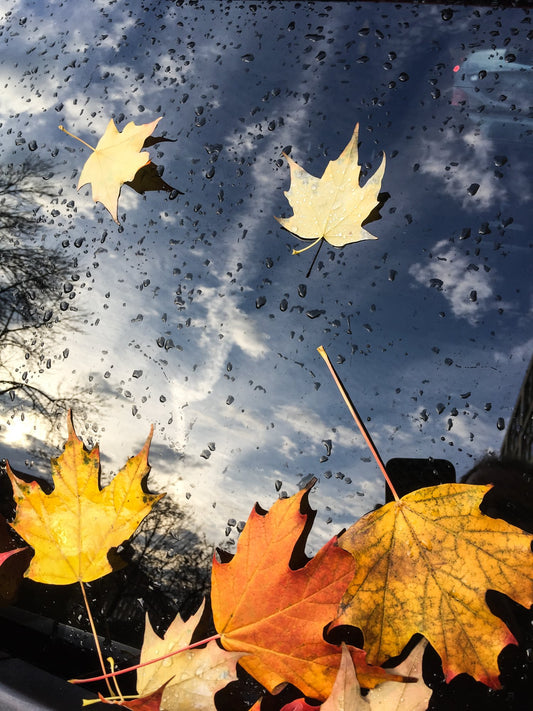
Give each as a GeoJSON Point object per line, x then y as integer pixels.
{"type": "Point", "coordinates": [145, 664]}
{"type": "Point", "coordinates": [62, 128]}
{"type": "Point", "coordinates": [96, 641]}
{"type": "Point", "coordinates": [304, 249]}
{"type": "Point", "coordinates": [358, 421]}
{"type": "Point", "coordinates": [314, 258]}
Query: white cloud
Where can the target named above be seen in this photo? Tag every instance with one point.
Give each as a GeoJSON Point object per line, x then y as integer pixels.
{"type": "Point", "coordinates": [457, 280]}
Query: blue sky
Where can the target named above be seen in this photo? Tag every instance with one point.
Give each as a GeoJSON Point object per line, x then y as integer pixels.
{"type": "Point", "coordinates": [395, 314]}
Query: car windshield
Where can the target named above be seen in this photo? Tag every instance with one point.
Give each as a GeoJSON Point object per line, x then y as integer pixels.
{"type": "Point", "coordinates": [190, 312]}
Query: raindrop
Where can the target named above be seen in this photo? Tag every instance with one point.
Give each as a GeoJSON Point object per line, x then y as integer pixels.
{"type": "Point", "coordinates": [473, 295]}
{"type": "Point", "coordinates": [278, 484]}
{"type": "Point", "coordinates": [32, 145]}
{"type": "Point", "coordinates": [472, 190]}
{"type": "Point", "coordinates": [283, 305]}
{"type": "Point", "coordinates": [392, 274]}
{"type": "Point", "coordinates": [230, 399]}
{"type": "Point", "coordinates": [488, 406]}
{"type": "Point", "coordinates": [403, 77]}
{"type": "Point", "coordinates": [328, 445]}
{"type": "Point", "coordinates": [424, 415]}
{"type": "Point", "coordinates": [440, 408]}
{"type": "Point", "coordinates": [173, 194]}
{"type": "Point", "coordinates": [137, 373]}
{"type": "Point", "coordinates": [205, 454]}
{"type": "Point", "coordinates": [302, 290]}
{"type": "Point", "coordinates": [314, 313]}
{"type": "Point", "coordinates": [260, 301]}
{"type": "Point", "coordinates": [500, 424]}
{"type": "Point", "coordinates": [447, 14]}
{"type": "Point", "coordinates": [247, 57]}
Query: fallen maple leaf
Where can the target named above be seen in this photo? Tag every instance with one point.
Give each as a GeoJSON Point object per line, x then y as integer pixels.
{"type": "Point", "coordinates": [73, 528]}
{"type": "Point", "coordinates": [116, 160]}
{"type": "Point", "coordinates": [197, 674]}
{"type": "Point", "coordinates": [335, 206]}
{"type": "Point", "coordinates": [403, 697]}
{"type": "Point", "coordinates": [346, 692]}
{"type": "Point", "coordinates": [276, 614]}
{"type": "Point", "coordinates": [424, 564]}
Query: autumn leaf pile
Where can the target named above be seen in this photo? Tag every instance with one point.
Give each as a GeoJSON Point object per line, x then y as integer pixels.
{"type": "Point", "coordinates": [420, 565]}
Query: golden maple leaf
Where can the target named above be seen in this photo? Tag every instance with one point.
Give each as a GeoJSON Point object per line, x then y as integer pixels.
{"type": "Point", "coordinates": [115, 160]}
{"type": "Point", "coordinates": [334, 206]}
{"type": "Point", "coordinates": [424, 564]}
{"type": "Point", "coordinates": [193, 677]}
{"type": "Point", "coordinates": [73, 528]}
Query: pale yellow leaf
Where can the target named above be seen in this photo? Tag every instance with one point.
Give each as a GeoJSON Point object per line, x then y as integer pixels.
{"type": "Point", "coordinates": [392, 696]}
{"type": "Point", "coordinates": [115, 160]}
{"type": "Point", "coordinates": [346, 692]}
{"type": "Point", "coordinates": [334, 206]}
{"type": "Point", "coordinates": [195, 675]}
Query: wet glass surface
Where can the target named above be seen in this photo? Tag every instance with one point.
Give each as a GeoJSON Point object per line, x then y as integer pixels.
{"type": "Point", "coordinates": [194, 315]}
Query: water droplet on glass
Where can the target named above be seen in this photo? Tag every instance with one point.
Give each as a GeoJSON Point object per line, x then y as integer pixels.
{"type": "Point", "coordinates": [500, 424]}
{"type": "Point", "coordinates": [302, 290]}
{"type": "Point", "coordinates": [260, 301]}
{"type": "Point", "coordinates": [283, 305]}
{"type": "Point", "coordinates": [247, 57]}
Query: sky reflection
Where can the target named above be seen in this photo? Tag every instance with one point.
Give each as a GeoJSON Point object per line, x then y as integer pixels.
{"type": "Point", "coordinates": [191, 314]}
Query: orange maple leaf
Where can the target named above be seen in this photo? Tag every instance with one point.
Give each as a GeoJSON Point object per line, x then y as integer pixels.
{"type": "Point", "coordinates": [424, 564]}
{"type": "Point", "coordinates": [276, 614]}
{"type": "Point", "coordinates": [73, 528]}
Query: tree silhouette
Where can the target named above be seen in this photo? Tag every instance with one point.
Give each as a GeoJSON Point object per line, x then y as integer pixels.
{"type": "Point", "coordinates": [35, 287]}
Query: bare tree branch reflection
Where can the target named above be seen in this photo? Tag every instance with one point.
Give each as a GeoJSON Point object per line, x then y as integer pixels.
{"type": "Point", "coordinates": [36, 289]}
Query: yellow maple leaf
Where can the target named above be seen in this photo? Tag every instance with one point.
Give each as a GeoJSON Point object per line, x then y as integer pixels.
{"type": "Point", "coordinates": [73, 528]}
{"type": "Point", "coordinates": [114, 161]}
{"type": "Point", "coordinates": [424, 564]}
{"type": "Point", "coordinates": [193, 676]}
{"type": "Point", "coordinates": [334, 206]}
